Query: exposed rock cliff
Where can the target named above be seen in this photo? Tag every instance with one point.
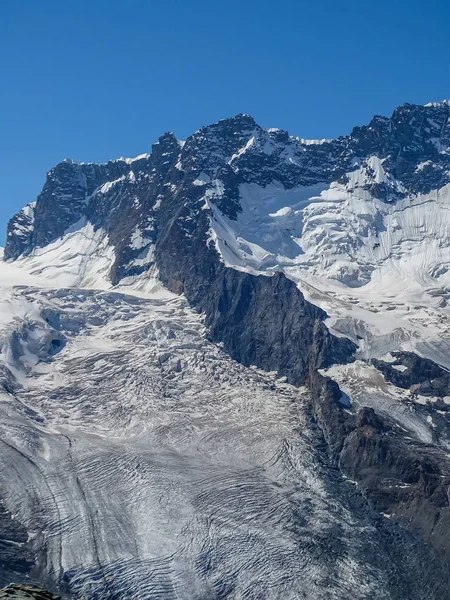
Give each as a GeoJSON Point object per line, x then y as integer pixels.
{"type": "Point", "coordinates": [25, 592]}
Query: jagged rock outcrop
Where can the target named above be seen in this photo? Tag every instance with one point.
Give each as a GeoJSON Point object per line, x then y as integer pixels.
{"type": "Point", "coordinates": [411, 145]}
{"type": "Point", "coordinates": [117, 197]}
{"type": "Point", "coordinates": [261, 320]}
{"type": "Point", "coordinates": [402, 479]}
{"type": "Point", "coordinates": [413, 135]}
{"type": "Point", "coordinates": [420, 375]}
{"type": "Point", "coordinates": [26, 592]}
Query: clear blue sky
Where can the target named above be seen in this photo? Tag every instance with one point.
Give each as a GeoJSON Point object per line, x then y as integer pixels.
{"type": "Point", "coordinates": [93, 80]}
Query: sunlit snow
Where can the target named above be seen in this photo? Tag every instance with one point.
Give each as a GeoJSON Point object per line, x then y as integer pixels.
{"type": "Point", "coordinates": [144, 462]}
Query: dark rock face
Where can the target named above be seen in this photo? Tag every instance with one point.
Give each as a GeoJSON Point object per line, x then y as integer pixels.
{"type": "Point", "coordinates": [420, 375]}
{"type": "Point", "coordinates": [423, 377]}
{"type": "Point", "coordinates": [412, 135]}
{"type": "Point", "coordinates": [60, 205]}
{"type": "Point", "coordinates": [402, 479]}
{"type": "Point", "coordinates": [25, 592]}
{"type": "Point", "coordinates": [369, 453]}
{"type": "Point", "coordinates": [261, 320]}
{"type": "Point", "coordinates": [15, 559]}
{"type": "Point", "coordinates": [336, 424]}
{"type": "Point", "coordinates": [117, 196]}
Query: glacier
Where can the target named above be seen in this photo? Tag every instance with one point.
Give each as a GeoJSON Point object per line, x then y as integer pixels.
{"type": "Point", "coordinates": [145, 463]}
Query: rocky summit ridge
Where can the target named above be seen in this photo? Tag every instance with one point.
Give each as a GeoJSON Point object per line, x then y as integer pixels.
{"type": "Point", "coordinates": [237, 150]}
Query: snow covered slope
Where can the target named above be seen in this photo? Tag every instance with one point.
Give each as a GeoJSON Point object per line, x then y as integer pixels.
{"type": "Point", "coordinates": [143, 462]}
{"type": "Point", "coordinates": [360, 222]}
{"type": "Point", "coordinates": [380, 270]}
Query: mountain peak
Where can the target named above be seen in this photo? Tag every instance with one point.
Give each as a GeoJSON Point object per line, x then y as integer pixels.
{"type": "Point", "coordinates": [240, 123]}
{"type": "Point", "coordinates": [168, 138]}
{"type": "Point", "coordinates": [438, 104]}
{"type": "Point", "coordinates": [240, 120]}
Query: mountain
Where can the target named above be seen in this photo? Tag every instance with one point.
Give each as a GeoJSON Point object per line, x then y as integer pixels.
{"type": "Point", "coordinates": [225, 368]}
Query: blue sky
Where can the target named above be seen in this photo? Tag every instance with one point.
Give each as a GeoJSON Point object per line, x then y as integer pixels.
{"type": "Point", "coordinates": [93, 80]}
